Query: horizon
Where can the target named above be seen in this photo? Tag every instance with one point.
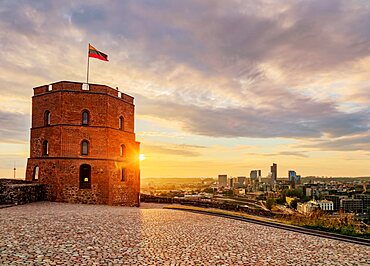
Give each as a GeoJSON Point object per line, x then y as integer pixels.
{"type": "Point", "coordinates": [222, 87]}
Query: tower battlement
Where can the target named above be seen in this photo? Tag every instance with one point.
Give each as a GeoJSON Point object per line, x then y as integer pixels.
{"type": "Point", "coordinates": [82, 87]}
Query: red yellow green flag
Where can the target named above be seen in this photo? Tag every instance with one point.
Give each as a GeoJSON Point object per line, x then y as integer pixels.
{"type": "Point", "coordinates": [93, 52]}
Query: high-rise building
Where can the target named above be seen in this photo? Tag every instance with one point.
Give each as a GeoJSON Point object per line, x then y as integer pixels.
{"type": "Point", "coordinates": [259, 176]}
{"type": "Point", "coordinates": [297, 179]}
{"type": "Point", "coordinates": [273, 173]}
{"type": "Point", "coordinates": [241, 181]}
{"type": "Point", "coordinates": [292, 176]}
{"type": "Point", "coordinates": [255, 176]}
{"type": "Point", "coordinates": [222, 180]}
{"type": "Point", "coordinates": [231, 182]}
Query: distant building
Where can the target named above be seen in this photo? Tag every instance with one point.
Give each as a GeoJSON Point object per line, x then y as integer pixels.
{"type": "Point", "coordinates": [241, 181]}
{"type": "Point", "coordinates": [326, 205]}
{"type": "Point", "coordinates": [297, 179]}
{"type": "Point", "coordinates": [259, 176]}
{"type": "Point", "coordinates": [336, 200]}
{"type": "Point", "coordinates": [222, 180]}
{"type": "Point", "coordinates": [351, 205]}
{"type": "Point", "coordinates": [307, 208]}
{"type": "Point", "coordinates": [255, 176]}
{"type": "Point", "coordinates": [241, 191]}
{"type": "Point", "coordinates": [365, 200]}
{"type": "Point", "coordinates": [291, 176]}
{"type": "Point", "coordinates": [231, 182]}
{"type": "Point", "coordinates": [274, 173]}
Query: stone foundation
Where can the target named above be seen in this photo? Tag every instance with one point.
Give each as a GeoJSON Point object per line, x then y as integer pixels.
{"type": "Point", "coordinates": [20, 192]}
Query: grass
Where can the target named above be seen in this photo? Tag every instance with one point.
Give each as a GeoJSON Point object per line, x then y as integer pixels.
{"type": "Point", "coordinates": [343, 225]}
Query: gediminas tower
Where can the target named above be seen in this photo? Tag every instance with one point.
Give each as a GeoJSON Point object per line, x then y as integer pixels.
{"type": "Point", "coordinates": [83, 145]}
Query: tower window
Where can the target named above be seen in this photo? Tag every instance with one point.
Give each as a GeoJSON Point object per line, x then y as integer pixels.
{"type": "Point", "coordinates": [45, 148]}
{"type": "Point", "coordinates": [84, 147]}
{"type": "Point", "coordinates": [85, 176]}
{"type": "Point", "coordinates": [122, 150]}
{"type": "Point", "coordinates": [121, 121]}
{"type": "Point", "coordinates": [47, 118]}
{"type": "Point", "coordinates": [35, 175]}
{"type": "Point", "coordinates": [123, 174]}
{"type": "Point", "coordinates": [85, 118]}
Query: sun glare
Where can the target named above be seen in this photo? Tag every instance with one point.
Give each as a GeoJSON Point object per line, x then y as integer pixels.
{"type": "Point", "coordinates": [142, 157]}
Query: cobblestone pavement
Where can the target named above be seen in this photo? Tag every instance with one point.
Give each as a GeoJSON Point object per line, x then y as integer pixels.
{"type": "Point", "coordinates": [47, 233]}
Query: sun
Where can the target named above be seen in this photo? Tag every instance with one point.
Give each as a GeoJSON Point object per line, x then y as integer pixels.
{"type": "Point", "coordinates": [142, 157]}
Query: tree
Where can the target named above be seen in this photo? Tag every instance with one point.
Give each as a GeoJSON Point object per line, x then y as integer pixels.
{"type": "Point", "coordinates": [294, 204]}
{"type": "Point", "coordinates": [270, 202]}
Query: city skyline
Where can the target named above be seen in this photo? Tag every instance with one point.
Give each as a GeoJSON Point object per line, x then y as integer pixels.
{"type": "Point", "coordinates": [256, 83]}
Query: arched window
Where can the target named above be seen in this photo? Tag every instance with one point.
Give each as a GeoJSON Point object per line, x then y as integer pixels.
{"type": "Point", "coordinates": [85, 118]}
{"type": "Point", "coordinates": [47, 118]}
{"type": "Point", "coordinates": [35, 175]}
{"type": "Point", "coordinates": [84, 147]}
{"type": "Point", "coordinates": [122, 150]}
{"type": "Point", "coordinates": [45, 148]}
{"type": "Point", "coordinates": [123, 174]}
{"type": "Point", "coordinates": [85, 176]}
{"type": "Point", "coordinates": [121, 123]}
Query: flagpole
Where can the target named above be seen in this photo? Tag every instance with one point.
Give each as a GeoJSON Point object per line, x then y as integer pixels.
{"type": "Point", "coordinates": [88, 64]}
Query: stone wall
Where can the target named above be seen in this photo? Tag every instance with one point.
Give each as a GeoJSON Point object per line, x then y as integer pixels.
{"type": "Point", "coordinates": [20, 192]}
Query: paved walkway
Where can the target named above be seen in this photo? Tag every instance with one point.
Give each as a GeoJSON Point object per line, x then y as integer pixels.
{"type": "Point", "coordinates": [65, 234]}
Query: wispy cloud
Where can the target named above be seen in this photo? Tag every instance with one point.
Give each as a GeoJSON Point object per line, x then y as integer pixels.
{"type": "Point", "coordinates": [172, 149]}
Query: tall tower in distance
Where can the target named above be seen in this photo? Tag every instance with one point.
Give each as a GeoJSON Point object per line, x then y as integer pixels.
{"type": "Point", "coordinates": [274, 173]}
{"type": "Point", "coordinates": [83, 145]}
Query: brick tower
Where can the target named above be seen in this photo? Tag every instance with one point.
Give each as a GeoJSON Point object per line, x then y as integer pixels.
{"type": "Point", "coordinates": [83, 145]}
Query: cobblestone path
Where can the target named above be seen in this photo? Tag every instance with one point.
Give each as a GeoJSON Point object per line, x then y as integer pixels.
{"type": "Point", "coordinates": [47, 233]}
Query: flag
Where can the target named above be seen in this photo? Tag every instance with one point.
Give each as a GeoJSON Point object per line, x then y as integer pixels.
{"type": "Point", "coordinates": [93, 52]}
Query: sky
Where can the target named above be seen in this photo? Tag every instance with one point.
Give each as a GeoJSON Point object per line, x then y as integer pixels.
{"type": "Point", "coordinates": [220, 87]}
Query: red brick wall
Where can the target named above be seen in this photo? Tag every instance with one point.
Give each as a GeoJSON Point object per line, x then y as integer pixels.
{"type": "Point", "coordinates": [60, 169]}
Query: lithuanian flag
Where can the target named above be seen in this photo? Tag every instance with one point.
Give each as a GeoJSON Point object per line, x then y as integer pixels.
{"type": "Point", "coordinates": [93, 52]}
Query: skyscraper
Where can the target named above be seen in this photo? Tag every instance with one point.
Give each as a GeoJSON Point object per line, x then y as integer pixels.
{"type": "Point", "coordinates": [273, 173]}
{"type": "Point", "coordinates": [253, 175]}
{"type": "Point", "coordinates": [291, 176]}
{"type": "Point", "coordinates": [222, 180]}
{"type": "Point", "coordinates": [241, 180]}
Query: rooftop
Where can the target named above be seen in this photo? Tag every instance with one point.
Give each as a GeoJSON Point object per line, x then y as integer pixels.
{"type": "Point", "coordinates": [82, 87]}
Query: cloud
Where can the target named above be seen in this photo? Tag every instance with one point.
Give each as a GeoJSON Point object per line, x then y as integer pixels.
{"type": "Point", "coordinates": [253, 122]}
{"type": "Point", "coordinates": [14, 127]}
{"type": "Point", "coordinates": [218, 68]}
{"type": "Point", "coordinates": [360, 142]}
{"type": "Point", "coordinates": [282, 153]}
{"type": "Point", "coordinates": [172, 149]}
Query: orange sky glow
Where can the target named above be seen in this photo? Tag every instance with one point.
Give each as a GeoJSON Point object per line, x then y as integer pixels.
{"type": "Point", "coordinates": [219, 86]}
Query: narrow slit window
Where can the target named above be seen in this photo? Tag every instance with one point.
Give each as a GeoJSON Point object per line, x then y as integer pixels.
{"type": "Point", "coordinates": [45, 148]}
{"type": "Point", "coordinates": [85, 118]}
{"type": "Point", "coordinates": [122, 151]}
{"type": "Point", "coordinates": [85, 147]}
{"type": "Point", "coordinates": [121, 123]}
{"type": "Point", "coordinates": [47, 118]}
{"type": "Point", "coordinates": [123, 174]}
{"type": "Point", "coordinates": [36, 173]}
